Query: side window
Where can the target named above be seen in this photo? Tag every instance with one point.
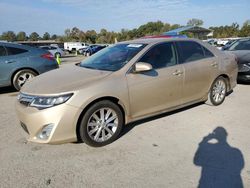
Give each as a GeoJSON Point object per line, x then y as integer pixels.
{"type": "Point", "coordinates": [53, 48]}
{"type": "Point", "coordinates": [2, 51]}
{"type": "Point", "coordinates": [15, 51]}
{"type": "Point", "coordinates": [243, 45]}
{"type": "Point", "coordinates": [207, 53]}
{"type": "Point", "coordinates": [189, 51]}
{"type": "Point", "coordinates": [162, 55]}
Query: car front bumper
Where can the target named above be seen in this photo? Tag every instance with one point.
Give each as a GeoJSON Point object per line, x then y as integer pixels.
{"type": "Point", "coordinates": [63, 118]}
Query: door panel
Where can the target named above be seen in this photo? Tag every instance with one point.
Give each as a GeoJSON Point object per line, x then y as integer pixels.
{"type": "Point", "coordinates": [198, 78]}
{"type": "Point", "coordinates": [155, 90]}
{"type": "Point", "coordinates": [5, 67]}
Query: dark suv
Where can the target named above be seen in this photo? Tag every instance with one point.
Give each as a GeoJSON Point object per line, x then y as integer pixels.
{"type": "Point", "coordinates": [241, 48]}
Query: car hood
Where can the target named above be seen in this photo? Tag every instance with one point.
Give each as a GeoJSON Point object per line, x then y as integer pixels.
{"type": "Point", "coordinates": [243, 56]}
{"type": "Point", "coordinates": [63, 80]}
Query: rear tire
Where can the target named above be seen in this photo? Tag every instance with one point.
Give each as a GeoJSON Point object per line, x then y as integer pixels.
{"type": "Point", "coordinates": [218, 91]}
{"type": "Point", "coordinates": [101, 124]}
{"type": "Point", "coordinates": [21, 77]}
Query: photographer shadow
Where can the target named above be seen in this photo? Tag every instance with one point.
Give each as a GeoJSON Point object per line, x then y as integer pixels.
{"type": "Point", "coordinates": [221, 164]}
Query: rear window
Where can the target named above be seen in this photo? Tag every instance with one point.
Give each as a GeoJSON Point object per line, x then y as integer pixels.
{"type": "Point", "coordinates": [207, 53]}
{"type": "Point", "coordinates": [2, 51]}
{"type": "Point", "coordinates": [15, 51]}
{"type": "Point", "coordinates": [189, 51]}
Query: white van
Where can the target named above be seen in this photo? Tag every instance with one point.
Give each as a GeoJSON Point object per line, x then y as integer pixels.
{"type": "Point", "coordinates": [74, 46]}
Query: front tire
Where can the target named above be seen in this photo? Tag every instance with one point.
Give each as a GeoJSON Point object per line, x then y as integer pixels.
{"type": "Point", "coordinates": [218, 91]}
{"type": "Point", "coordinates": [21, 77]}
{"type": "Point", "coordinates": [101, 124]}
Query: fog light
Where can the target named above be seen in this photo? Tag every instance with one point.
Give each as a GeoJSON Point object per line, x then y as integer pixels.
{"type": "Point", "coordinates": [45, 133]}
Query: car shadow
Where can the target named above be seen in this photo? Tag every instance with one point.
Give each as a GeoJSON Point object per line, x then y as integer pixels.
{"type": "Point", "coordinates": [128, 127]}
{"type": "Point", "coordinates": [8, 89]}
{"type": "Point", "coordinates": [243, 83]}
{"type": "Point", "coordinates": [221, 163]}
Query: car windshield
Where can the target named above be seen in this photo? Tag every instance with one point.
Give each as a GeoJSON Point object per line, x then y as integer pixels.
{"type": "Point", "coordinates": [112, 58]}
{"type": "Point", "coordinates": [240, 45]}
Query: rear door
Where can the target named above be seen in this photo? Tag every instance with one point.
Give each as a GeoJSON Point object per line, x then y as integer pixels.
{"type": "Point", "coordinates": [5, 68]}
{"type": "Point", "coordinates": [10, 59]}
{"type": "Point", "coordinates": [201, 68]}
{"type": "Point", "coordinates": [160, 88]}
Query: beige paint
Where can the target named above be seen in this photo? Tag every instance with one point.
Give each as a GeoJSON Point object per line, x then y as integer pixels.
{"type": "Point", "coordinates": [140, 94]}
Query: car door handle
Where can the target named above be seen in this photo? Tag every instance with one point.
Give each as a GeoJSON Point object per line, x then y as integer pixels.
{"type": "Point", "coordinates": [177, 73]}
{"type": "Point", "coordinates": [10, 61]}
{"type": "Point", "coordinates": [214, 64]}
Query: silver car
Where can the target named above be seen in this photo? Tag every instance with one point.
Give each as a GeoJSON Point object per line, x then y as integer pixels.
{"type": "Point", "coordinates": [54, 50]}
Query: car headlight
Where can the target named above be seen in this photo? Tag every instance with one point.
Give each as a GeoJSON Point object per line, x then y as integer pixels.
{"type": "Point", "coordinates": [42, 102]}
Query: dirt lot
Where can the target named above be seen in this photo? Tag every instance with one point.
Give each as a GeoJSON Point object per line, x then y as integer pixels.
{"type": "Point", "coordinates": [157, 152]}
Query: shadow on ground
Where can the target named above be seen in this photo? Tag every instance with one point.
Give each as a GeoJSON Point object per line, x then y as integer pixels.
{"type": "Point", "coordinates": [243, 83]}
{"type": "Point", "coordinates": [130, 126]}
{"type": "Point", "coordinates": [221, 164]}
{"type": "Point", "coordinates": [5, 90]}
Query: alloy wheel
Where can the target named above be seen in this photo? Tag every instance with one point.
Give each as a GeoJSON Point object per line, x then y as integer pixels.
{"type": "Point", "coordinates": [102, 124]}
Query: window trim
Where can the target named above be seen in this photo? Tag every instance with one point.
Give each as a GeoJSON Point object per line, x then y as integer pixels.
{"type": "Point", "coordinates": [24, 50]}
{"type": "Point", "coordinates": [202, 47]}
{"type": "Point", "coordinates": [130, 70]}
{"type": "Point", "coordinates": [6, 52]}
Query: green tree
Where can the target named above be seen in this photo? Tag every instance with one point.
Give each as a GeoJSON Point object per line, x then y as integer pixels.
{"type": "Point", "coordinates": [46, 36]}
{"type": "Point", "coordinates": [34, 36]}
{"type": "Point", "coordinates": [74, 34]}
{"type": "Point", "coordinates": [21, 36]}
{"type": "Point", "coordinates": [90, 36]}
{"type": "Point", "coordinates": [245, 30]}
{"type": "Point", "coordinates": [9, 36]}
{"type": "Point", "coordinates": [195, 22]}
{"type": "Point", "coordinates": [150, 28]}
{"type": "Point", "coordinates": [54, 37]}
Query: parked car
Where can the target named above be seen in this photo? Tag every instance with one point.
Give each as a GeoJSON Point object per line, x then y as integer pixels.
{"type": "Point", "coordinates": [122, 83]}
{"type": "Point", "coordinates": [241, 48]}
{"type": "Point", "coordinates": [19, 63]}
{"type": "Point", "coordinates": [54, 50]}
{"type": "Point", "coordinates": [91, 50]}
{"type": "Point", "coordinates": [74, 46]}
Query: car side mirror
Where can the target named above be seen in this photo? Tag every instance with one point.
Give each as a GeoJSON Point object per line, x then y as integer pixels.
{"type": "Point", "coordinates": [142, 67]}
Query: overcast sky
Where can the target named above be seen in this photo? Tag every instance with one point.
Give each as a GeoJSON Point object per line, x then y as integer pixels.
{"type": "Point", "coordinates": [55, 16]}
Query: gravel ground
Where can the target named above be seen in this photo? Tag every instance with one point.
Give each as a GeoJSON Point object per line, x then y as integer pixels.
{"type": "Point", "coordinates": [157, 152]}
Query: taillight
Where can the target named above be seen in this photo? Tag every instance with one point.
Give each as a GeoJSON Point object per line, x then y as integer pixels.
{"type": "Point", "coordinates": [48, 56]}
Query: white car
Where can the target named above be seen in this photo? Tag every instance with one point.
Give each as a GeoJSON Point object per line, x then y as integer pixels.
{"type": "Point", "coordinates": [75, 46]}
{"type": "Point", "coordinates": [54, 50]}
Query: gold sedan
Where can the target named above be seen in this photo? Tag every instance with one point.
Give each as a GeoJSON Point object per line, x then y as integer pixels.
{"type": "Point", "coordinates": [92, 101]}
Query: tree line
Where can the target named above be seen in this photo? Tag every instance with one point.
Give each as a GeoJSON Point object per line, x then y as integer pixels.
{"type": "Point", "coordinates": [105, 36]}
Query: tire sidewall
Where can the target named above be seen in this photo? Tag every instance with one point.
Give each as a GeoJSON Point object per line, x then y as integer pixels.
{"type": "Point", "coordinates": [211, 93]}
{"type": "Point", "coordinates": [16, 76]}
{"type": "Point", "coordinates": [83, 124]}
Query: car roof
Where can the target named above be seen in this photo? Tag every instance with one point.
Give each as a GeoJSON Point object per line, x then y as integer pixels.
{"type": "Point", "coordinates": [244, 39]}
{"type": "Point", "coordinates": [25, 47]}
{"type": "Point", "coordinates": [157, 40]}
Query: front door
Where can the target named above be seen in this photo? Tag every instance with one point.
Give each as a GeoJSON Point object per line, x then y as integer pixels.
{"type": "Point", "coordinates": [160, 88]}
